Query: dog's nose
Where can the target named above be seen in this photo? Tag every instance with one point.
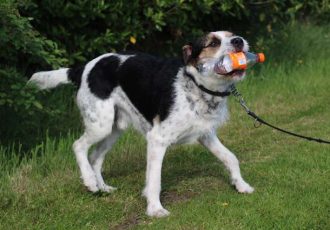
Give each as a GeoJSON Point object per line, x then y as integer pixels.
{"type": "Point", "coordinates": [237, 43]}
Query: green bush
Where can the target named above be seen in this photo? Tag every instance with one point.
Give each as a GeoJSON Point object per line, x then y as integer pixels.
{"type": "Point", "coordinates": [23, 49]}
{"type": "Point", "coordinates": [39, 35]}
{"type": "Point", "coordinates": [85, 29]}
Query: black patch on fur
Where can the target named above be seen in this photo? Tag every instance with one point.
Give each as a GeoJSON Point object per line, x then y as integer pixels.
{"type": "Point", "coordinates": [102, 79]}
{"type": "Point", "coordinates": [75, 74]}
{"type": "Point", "coordinates": [191, 103]}
{"type": "Point", "coordinates": [198, 46]}
{"type": "Point", "coordinates": [212, 105]}
{"type": "Point", "coordinates": [148, 83]}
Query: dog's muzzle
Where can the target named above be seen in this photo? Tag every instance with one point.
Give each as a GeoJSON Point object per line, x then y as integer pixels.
{"type": "Point", "coordinates": [237, 43]}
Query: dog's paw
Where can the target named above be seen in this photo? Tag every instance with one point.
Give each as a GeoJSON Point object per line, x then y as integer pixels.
{"type": "Point", "coordinates": [243, 187]}
{"type": "Point", "coordinates": [107, 188]}
{"type": "Point", "coordinates": [91, 184]}
{"type": "Point", "coordinates": [157, 212]}
{"type": "Point", "coordinates": [92, 188]}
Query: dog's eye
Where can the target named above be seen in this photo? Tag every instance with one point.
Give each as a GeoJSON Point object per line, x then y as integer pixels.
{"type": "Point", "coordinates": [214, 43]}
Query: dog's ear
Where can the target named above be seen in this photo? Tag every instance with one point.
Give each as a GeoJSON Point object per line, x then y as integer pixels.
{"type": "Point", "coordinates": [186, 51]}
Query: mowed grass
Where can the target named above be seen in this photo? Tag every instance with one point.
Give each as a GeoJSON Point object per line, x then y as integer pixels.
{"type": "Point", "coordinates": [291, 176]}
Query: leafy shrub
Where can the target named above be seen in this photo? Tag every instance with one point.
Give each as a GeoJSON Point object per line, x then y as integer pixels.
{"type": "Point", "coordinates": [23, 49]}
{"type": "Point", "coordinates": [86, 29]}
{"type": "Point", "coordinates": [39, 35]}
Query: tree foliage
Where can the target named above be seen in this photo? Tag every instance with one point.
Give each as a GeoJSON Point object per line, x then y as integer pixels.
{"type": "Point", "coordinates": [45, 34]}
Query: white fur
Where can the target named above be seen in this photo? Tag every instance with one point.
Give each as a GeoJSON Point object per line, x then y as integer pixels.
{"type": "Point", "coordinates": [50, 79]}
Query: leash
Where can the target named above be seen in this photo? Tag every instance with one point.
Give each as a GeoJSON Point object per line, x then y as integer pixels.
{"type": "Point", "coordinates": [258, 121]}
{"type": "Point", "coordinates": [240, 99]}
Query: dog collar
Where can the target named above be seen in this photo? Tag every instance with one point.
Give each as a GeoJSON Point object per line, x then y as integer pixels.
{"type": "Point", "coordinates": [213, 93]}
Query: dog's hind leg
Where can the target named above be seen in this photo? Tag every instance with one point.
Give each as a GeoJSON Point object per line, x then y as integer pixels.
{"type": "Point", "coordinates": [98, 120]}
{"type": "Point", "coordinates": [98, 155]}
{"type": "Point", "coordinates": [80, 148]}
{"type": "Point", "coordinates": [212, 142]}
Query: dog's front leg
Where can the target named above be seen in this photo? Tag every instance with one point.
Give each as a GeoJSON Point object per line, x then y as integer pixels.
{"type": "Point", "coordinates": [212, 142]}
{"type": "Point", "coordinates": [155, 153]}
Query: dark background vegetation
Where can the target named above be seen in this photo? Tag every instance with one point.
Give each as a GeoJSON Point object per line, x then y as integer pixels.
{"type": "Point", "coordinates": [45, 34]}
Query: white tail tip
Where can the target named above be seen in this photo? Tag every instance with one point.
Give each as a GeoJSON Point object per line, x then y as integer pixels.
{"type": "Point", "coordinates": [49, 79]}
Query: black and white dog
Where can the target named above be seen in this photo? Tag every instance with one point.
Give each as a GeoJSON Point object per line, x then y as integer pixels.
{"type": "Point", "coordinates": [169, 101]}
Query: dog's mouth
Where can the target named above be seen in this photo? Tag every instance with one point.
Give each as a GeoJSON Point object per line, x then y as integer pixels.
{"type": "Point", "coordinates": [235, 73]}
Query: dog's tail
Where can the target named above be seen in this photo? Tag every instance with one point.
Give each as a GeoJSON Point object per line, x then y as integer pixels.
{"type": "Point", "coordinates": [54, 78]}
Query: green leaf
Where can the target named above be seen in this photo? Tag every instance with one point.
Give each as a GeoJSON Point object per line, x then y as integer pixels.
{"type": "Point", "coordinates": [37, 105]}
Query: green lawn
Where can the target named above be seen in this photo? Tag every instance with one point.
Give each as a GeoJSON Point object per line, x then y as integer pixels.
{"type": "Point", "coordinates": [291, 176]}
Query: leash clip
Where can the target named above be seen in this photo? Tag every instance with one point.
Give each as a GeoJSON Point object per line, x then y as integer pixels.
{"type": "Point", "coordinates": [257, 123]}
{"type": "Point", "coordinates": [239, 97]}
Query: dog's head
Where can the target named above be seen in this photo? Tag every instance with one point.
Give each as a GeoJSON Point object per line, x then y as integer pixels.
{"type": "Point", "coordinates": [209, 47]}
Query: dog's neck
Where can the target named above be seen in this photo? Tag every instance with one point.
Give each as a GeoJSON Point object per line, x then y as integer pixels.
{"type": "Point", "coordinates": [209, 83]}
{"type": "Point", "coordinates": [190, 91]}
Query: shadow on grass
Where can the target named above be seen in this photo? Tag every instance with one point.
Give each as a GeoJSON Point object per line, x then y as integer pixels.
{"type": "Point", "coordinates": [184, 166]}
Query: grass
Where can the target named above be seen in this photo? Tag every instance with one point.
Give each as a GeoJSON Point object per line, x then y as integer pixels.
{"type": "Point", "coordinates": [291, 176]}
